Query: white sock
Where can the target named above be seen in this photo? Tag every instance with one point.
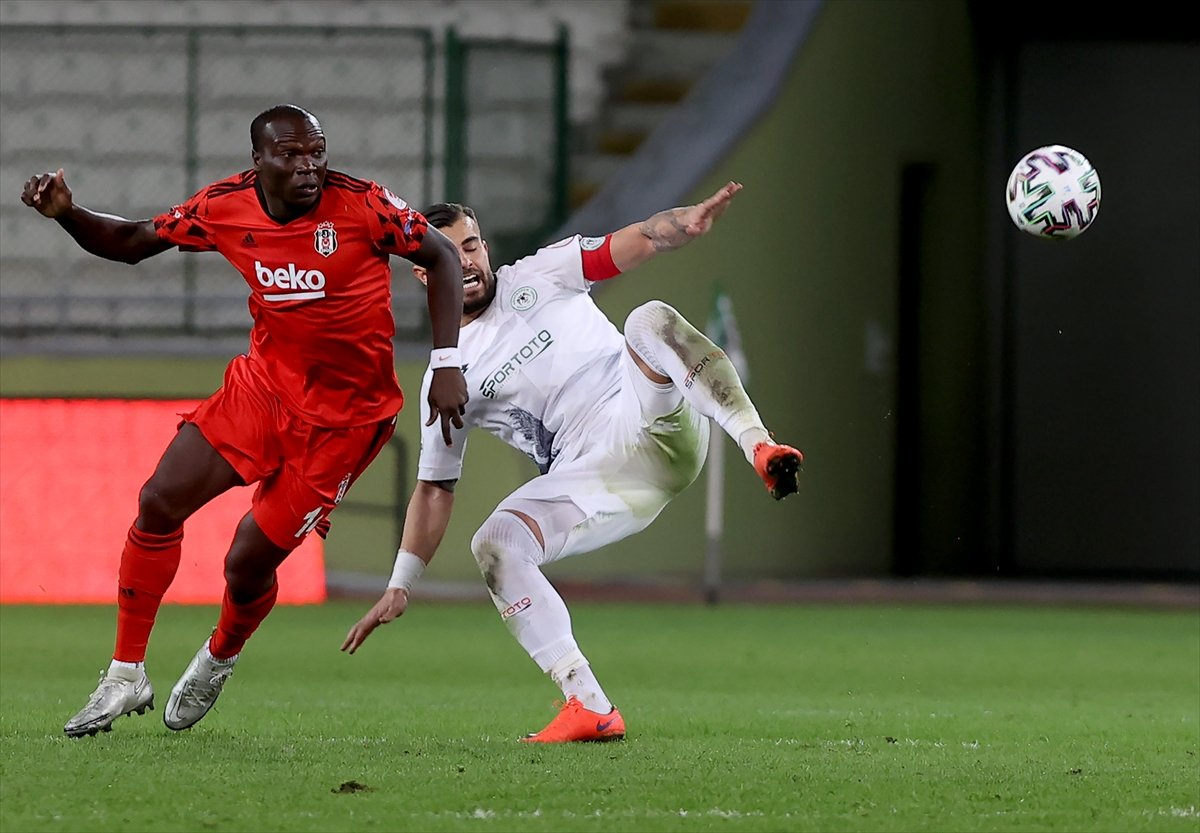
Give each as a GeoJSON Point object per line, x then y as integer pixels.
{"type": "Point", "coordinates": [752, 437]}
{"type": "Point", "coordinates": [125, 670]}
{"type": "Point", "coordinates": [208, 654]}
{"type": "Point", "coordinates": [508, 555]}
{"type": "Point", "coordinates": [582, 684]}
{"type": "Point", "coordinates": [701, 371]}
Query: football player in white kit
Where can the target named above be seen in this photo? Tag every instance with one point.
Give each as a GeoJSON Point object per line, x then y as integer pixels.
{"type": "Point", "coordinates": [617, 424]}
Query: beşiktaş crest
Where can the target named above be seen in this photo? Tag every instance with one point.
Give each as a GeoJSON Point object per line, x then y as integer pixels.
{"type": "Point", "coordinates": [325, 239]}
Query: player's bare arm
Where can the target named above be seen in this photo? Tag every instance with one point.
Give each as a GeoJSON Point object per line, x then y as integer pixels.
{"type": "Point", "coordinates": [448, 389]}
{"type": "Point", "coordinates": [104, 235]}
{"type": "Point", "coordinates": [425, 524]}
{"type": "Point", "coordinates": [669, 230]}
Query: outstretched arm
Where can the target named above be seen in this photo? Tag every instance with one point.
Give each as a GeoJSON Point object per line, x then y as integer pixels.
{"type": "Point", "coordinates": [425, 523]}
{"type": "Point", "coordinates": [104, 235]}
{"type": "Point", "coordinates": [669, 230]}
{"type": "Point", "coordinates": [448, 389]}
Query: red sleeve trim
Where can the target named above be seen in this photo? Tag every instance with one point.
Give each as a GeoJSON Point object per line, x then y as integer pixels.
{"type": "Point", "coordinates": [186, 225]}
{"type": "Point", "coordinates": [598, 264]}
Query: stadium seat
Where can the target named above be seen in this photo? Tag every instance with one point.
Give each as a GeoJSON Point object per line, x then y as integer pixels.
{"type": "Point", "coordinates": [123, 314]}
{"type": "Point", "coordinates": [12, 182]}
{"type": "Point", "coordinates": [147, 131]}
{"type": "Point", "coordinates": [509, 195]}
{"type": "Point", "coordinates": [14, 66]}
{"type": "Point", "coordinates": [28, 235]}
{"type": "Point", "coordinates": [214, 276]}
{"type": "Point", "coordinates": [109, 106]}
{"type": "Point", "coordinates": [27, 279]}
{"type": "Point", "coordinates": [219, 300]}
{"type": "Point", "coordinates": [48, 131]}
{"type": "Point", "coordinates": [516, 131]}
{"type": "Point", "coordinates": [157, 68]}
{"type": "Point", "coordinates": [401, 175]}
{"type": "Point", "coordinates": [84, 70]}
{"type": "Point", "coordinates": [224, 129]}
{"type": "Point", "coordinates": [30, 313]}
{"type": "Point", "coordinates": [362, 130]}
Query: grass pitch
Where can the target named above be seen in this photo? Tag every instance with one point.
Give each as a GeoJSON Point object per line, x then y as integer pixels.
{"type": "Point", "coordinates": [740, 718]}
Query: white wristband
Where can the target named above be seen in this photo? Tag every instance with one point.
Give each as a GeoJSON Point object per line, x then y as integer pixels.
{"type": "Point", "coordinates": [445, 357]}
{"type": "Point", "coordinates": [407, 570]}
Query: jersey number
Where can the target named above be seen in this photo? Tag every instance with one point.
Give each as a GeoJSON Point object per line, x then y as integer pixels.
{"type": "Point", "coordinates": [310, 522]}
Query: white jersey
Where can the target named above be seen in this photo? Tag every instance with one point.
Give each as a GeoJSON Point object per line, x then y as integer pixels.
{"type": "Point", "coordinates": [540, 363]}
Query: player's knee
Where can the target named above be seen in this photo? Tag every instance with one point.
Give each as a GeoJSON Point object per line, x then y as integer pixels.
{"type": "Point", "coordinates": [486, 545]}
{"type": "Point", "coordinates": [246, 577]}
{"type": "Point", "coordinates": [158, 512]}
{"type": "Point", "coordinates": [651, 331]}
{"type": "Point", "coordinates": [235, 568]}
{"type": "Point", "coordinates": [653, 316]}
{"type": "Point", "coordinates": [252, 560]}
{"type": "Point", "coordinates": [503, 539]}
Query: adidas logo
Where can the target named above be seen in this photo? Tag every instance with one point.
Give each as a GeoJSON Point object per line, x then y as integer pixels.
{"type": "Point", "coordinates": [248, 241]}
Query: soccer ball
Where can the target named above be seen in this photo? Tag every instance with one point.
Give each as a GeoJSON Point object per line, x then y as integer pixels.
{"type": "Point", "coordinates": [1053, 193]}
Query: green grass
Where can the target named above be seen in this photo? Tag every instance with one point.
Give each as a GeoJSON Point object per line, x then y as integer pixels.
{"type": "Point", "coordinates": [740, 718]}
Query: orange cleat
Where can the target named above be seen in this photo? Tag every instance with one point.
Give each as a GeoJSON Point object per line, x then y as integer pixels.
{"type": "Point", "coordinates": [575, 723]}
{"type": "Point", "coordinates": [779, 468]}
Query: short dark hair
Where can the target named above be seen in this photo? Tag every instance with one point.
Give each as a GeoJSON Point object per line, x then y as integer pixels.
{"type": "Point", "coordinates": [266, 116]}
{"type": "Point", "coordinates": [445, 214]}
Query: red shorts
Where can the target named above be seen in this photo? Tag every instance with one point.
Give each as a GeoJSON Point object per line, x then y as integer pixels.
{"type": "Point", "coordinates": [303, 470]}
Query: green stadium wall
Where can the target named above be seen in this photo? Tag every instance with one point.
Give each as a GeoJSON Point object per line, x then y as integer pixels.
{"type": "Point", "coordinates": [809, 256]}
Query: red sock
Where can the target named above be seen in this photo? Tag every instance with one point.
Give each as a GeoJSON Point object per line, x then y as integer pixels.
{"type": "Point", "coordinates": [238, 622]}
{"type": "Point", "coordinates": [148, 566]}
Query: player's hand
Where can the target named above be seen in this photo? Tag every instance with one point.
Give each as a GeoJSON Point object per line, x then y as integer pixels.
{"type": "Point", "coordinates": [447, 399]}
{"type": "Point", "coordinates": [392, 605]}
{"type": "Point", "coordinates": [699, 218]}
{"type": "Point", "coordinates": [48, 193]}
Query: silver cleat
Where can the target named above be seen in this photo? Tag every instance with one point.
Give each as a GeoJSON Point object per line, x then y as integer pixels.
{"type": "Point", "coordinates": [197, 690]}
{"type": "Point", "coordinates": [120, 692]}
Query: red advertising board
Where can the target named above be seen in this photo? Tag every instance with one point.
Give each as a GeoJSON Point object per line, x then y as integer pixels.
{"type": "Point", "coordinates": [70, 472]}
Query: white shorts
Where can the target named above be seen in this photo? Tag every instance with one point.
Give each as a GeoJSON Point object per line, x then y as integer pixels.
{"type": "Point", "coordinates": [645, 446]}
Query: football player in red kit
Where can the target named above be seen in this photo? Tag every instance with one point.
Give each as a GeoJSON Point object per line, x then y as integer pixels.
{"type": "Point", "coordinates": [301, 414]}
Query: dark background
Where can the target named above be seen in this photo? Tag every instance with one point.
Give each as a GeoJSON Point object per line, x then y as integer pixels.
{"type": "Point", "coordinates": [1099, 384]}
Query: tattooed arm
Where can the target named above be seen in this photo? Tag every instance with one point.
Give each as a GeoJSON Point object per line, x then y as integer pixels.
{"type": "Point", "coordinates": [668, 230]}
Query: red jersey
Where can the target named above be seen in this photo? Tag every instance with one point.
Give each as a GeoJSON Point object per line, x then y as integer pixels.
{"type": "Point", "coordinates": [320, 288]}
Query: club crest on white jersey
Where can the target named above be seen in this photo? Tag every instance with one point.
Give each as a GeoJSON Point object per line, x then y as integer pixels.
{"type": "Point", "coordinates": [524, 298]}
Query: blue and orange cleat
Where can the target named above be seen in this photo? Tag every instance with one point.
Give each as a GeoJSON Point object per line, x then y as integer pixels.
{"type": "Point", "coordinates": [575, 723]}
{"type": "Point", "coordinates": [779, 468]}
